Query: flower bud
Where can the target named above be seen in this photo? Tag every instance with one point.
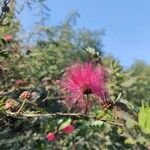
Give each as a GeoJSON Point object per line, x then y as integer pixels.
{"type": "Point", "coordinates": [68, 129]}
{"type": "Point", "coordinates": [50, 137]}
{"type": "Point", "coordinates": [11, 104]}
{"type": "Point", "coordinates": [19, 81]}
{"type": "Point", "coordinates": [25, 95]}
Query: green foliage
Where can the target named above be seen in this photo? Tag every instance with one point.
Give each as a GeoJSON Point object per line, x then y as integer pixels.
{"type": "Point", "coordinates": [10, 24]}
{"type": "Point", "coordinates": [66, 123]}
{"type": "Point", "coordinates": [144, 119]}
{"type": "Point", "coordinates": [141, 72]}
{"type": "Point", "coordinates": [2, 103]}
{"type": "Point", "coordinates": [117, 77]}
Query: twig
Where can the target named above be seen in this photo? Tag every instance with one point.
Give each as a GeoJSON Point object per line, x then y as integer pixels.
{"type": "Point", "coordinates": [52, 115]}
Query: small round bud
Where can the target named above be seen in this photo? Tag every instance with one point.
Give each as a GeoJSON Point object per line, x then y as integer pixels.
{"type": "Point", "coordinates": [11, 104]}
{"type": "Point", "coordinates": [35, 95]}
{"type": "Point", "coordinates": [50, 137]}
{"type": "Point", "coordinates": [68, 129]}
{"type": "Point", "coordinates": [25, 95]}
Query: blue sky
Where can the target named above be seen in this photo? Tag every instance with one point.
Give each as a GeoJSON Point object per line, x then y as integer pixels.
{"type": "Point", "coordinates": [126, 24]}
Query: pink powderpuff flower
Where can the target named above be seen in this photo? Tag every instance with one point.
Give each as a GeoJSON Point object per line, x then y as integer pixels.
{"type": "Point", "coordinates": [7, 38]}
{"type": "Point", "coordinates": [81, 80]}
{"type": "Point", "coordinates": [68, 129]}
{"type": "Point", "coordinates": [50, 137]}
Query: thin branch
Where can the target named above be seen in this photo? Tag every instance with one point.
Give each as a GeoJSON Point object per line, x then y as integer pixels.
{"type": "Point", "coordinates": [21, 107]}
{"type": "Point", "coordinates": [59, 114]}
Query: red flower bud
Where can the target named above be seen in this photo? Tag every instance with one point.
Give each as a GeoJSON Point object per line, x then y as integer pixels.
{"type": "Point", "coordinates": [68, 129]}
{"type": "Point", "coordinates": [19, 81]}
{"type": "Point", "coordinates": [50, 137]}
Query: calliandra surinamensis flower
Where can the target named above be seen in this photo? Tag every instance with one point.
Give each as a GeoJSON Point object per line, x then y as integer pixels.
{"type": "Point", "coordinates": [83, 80]}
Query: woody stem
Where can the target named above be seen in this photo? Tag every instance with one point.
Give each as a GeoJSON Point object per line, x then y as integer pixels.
{"type": "Point", "coordinates": [61, 114]}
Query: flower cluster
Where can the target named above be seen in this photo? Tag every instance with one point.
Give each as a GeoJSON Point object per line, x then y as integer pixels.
{"type": "Point", "coordinates": [14, 105]}
{"type": "Point", "coordinates": [67, 129]}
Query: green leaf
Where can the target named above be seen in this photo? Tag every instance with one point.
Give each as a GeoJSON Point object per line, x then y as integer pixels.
{"type": "Point", "coordinates": [97, 123]}
{"type": "Point", "coordinates": [144, 117]}
{"type": "Point", "coordinates": [64, 124]}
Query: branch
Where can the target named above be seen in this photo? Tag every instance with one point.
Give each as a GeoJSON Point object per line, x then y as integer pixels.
{"type": "Point", "coordinates": [60, 114]}
{"type": "Point", "coordinates": [7, 2]}
{"type": "Point", "coordinates": [4, 10]}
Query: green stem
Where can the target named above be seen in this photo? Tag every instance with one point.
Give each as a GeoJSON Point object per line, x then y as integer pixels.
{"type": "Point", "coordinates": [87, 98]}
{"type": "Point", "coordinates": [21, 107]}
